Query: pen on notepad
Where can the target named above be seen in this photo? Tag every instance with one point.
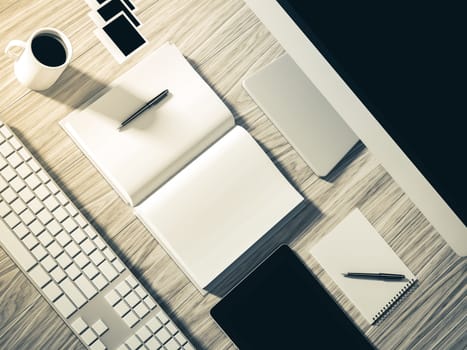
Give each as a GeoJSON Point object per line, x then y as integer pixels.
{"type": "Point", "coordinates": [148, 105]}
{"type": "Point", "coordinates": [377, 275]}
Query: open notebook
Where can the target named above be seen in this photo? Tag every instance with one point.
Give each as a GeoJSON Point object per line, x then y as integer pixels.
{"type": "Point", "coordinates": [202, 186]}
{"type": "Point", "coordinates": [355, 246]}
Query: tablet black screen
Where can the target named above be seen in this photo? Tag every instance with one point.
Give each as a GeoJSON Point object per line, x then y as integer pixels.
{"type": "Point", "coordinates": [281, 305]}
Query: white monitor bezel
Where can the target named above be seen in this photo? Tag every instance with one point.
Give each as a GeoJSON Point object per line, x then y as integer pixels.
{"type": "Point", "coordinates": [362, 122]}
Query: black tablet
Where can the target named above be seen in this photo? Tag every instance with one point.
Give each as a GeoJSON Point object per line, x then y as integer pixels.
{"type": "Point", "coordinates": [281, 305]}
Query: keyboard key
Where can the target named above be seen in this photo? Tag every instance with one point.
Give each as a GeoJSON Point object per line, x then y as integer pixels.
{"type": "Point", "coordinates": [9, 195]}
{"type": "Point", "coordinates": [154, 324]}
{"type": "Point", "coordinates": [89, 336]}
{"type": "Point", "coordinates": [99, 327]}
{"type": "Point", "coordinates": [52, 187]}
{"type": "Point", "coordinates": [81, 221]}
{"type": "Point", "coordinates": [42, 192]}
{"type": "Point", "coordinates": [87, 246]}
{"type": "Point", "coordinates": [22, 256]}
{"type": "Point", "coordinates": [72, 249]}
{"type": "Point", "coordinates": [36, 227]}
{"type": "Point", "coordinates": [24, 154]}
{"type": "Point", "coordinates": [26, 195]}
{"type": "Point", "coordinates": [6, 149]}
{"type": "Point", "coordinates": [109, 254]}
{"type": "Point", "coordinates": [141, 310]}
{"type": "Point", "coordinates": [21, 230]}
{"type": "Point", "coordinates": [30, 241]}
{"type": "Point", "coordinates": [96, 257]}
{"type": "Point", "coordinates": [90, 271]}
{"type": "Point", "coordinates": [133, 342]}
{"type": "Point", "coordinates": [79, 325]}
{"type": "Point", "coordinates": [45, 238]}
{"type": "Point", "coordinates": [97, 345]}
{"type": "Point", "coordinates": [123, 288]}
{"type": "Point", "coordinates": [118, 266]}
{"type": "Point", "coordinates": [171, 328]}
{"type": "Point", "coordinates": [121, 308]}
{"type": "Point", "coordinates": [112, 297]}
{"type": "Point", "coordinates": [73, 292]}
{"type": "Point", "coordinates": [131, 319]}
{"type": "Point", "coordinates": [162, 317]}
{"type": "Point", "coordinates": [52, 291]}
{"type": "Point", "coordinates": [35, 205]}
{"type": "Point", "coordinates": [86, 287]}
{"type": "Point", "coordinates": [15, 160]}
{"type": "Point", "coordinates": [99, 243]}
{"type": "Point", "coordinates": [100, 282]}
{"type": "Point", "coordinates": [12, 219]}
{"type": "Point", "coordinates": [15, 143]}
{"type": "Point", "coordinates": [149, 303]}
{"type": "Point", "coordinates": [23, 170]}
{"type": "Point", "coordinates": [58, 274]}
{"type": "Point", "coordinates": [27, 216]}
{"type": "Point", "coordinates": [153, 344]}
{"type": "Point", "coordinates": [17, 184]}
{"type": "Point", "coordinates": [51, 203]}
{"type": "Point", "coordinates": [163, 335]}
{"type": "Point", "coordinates": [171, 345]}
{"type": "Point", "coordinates": [48, 263]}
{"type": "Point", "coordinates": [78, 235]}
{"type": "Point", "coordinates": [44, 216]}
{"type": "Point", "coordinates": [71, 209]}
{"type": "Point", "coordinates": [64, 261]}
{"type": "Point", "coordinates": [53, 227]}
{"type": "Point", "coordinates": [132, 281]}
{"type": "Point", "coordinates": [61, 198]}
{"type": "Point", "coordinates": [90, 231]}
{"type": "Point", "coordinates": [132, 299]}
{"type": "Point", "coordinates": [39, 276]}
{"type": "Point", "coordinates": [4, 208]}
{"type": "Point", "coordinates": [72, 271]}
{"type": "Point", "coordinates": [65, 306]}
{"type": "Point", "coordinates": [180, 338]}
{"type": "Point", "coordinates": [81, 260]}
{"type": "Point", "coordinates": [60, 214]}
{"type": "Point", "coordinates": [54, 249]}
{"type": "Point", "coordinates": [39, 252]}
{"type": "Point", "coordinates": [33, 181]}
{"type": "Point", "coordinates": [63, 238]}
{"type": "Point", "coordinates": [143, 334]}
{"type": "Point", "coordinates": [109, 272]}
{"type": "Point", "coordinates": [69, 224]}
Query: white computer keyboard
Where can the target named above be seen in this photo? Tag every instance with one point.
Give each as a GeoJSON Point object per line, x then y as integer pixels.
{"type": "Point", "coordinates": [70, 264]}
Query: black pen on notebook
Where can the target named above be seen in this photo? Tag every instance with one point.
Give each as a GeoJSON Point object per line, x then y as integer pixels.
{"type": "Point", "coordinates": [148, 105]}
{"type": "Point", "coordinates": [375, 275]}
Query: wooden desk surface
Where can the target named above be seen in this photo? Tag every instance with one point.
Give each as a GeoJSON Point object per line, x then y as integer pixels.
{"type": "Point", "coordinates": [225, 42]}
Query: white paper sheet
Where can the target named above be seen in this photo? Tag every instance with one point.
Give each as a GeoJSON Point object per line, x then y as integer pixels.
{"type": "Point", "coordinates": [218, 206]}
{"type": "Point", "coordinates": [355, 246]}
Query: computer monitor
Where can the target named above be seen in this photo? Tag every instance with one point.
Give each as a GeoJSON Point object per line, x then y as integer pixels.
{"type": "Point", "coordinates": [392, 71]}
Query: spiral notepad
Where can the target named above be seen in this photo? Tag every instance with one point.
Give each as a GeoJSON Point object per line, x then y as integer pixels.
{"type": "Point", "coordinates": [355, 246]}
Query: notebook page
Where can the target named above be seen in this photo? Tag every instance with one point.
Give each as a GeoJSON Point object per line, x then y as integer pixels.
{"type": "Point", "coordinates": [355, 246]}
{"type": "Point", "coordinates": [218, 206]}
{"type": "Point", "coordinates": [161, 141]}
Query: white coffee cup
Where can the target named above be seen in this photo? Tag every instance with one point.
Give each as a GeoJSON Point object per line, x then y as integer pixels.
{"type": "Point", "coordinates": [41, 61]}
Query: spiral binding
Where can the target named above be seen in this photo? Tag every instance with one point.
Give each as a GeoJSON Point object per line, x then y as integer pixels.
{"type": "Point", "coordinates": [394, 301]}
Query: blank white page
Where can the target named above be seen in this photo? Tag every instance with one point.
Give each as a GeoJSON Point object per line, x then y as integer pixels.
{"type": "Point", "coordinates": [218, 206]}
{"type": "Point", "coordinates": [355, 246]}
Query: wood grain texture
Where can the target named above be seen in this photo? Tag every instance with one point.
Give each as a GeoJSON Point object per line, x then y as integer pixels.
{"type": "Point", "coordinates": [224, 42]}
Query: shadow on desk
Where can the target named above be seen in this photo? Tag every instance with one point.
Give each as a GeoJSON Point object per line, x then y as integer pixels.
{"type": "Point", "coordinates": [285, 232]}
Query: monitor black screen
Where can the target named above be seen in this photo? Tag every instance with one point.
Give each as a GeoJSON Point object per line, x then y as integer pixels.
{"type": "Point", "coordinates": [405, 61]}
{"type": "Point", "coordinates": [281, 305]}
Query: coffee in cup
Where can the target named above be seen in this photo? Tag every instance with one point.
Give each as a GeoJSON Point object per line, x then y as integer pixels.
{"type": "Point", "coordinates": [43, 58]}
